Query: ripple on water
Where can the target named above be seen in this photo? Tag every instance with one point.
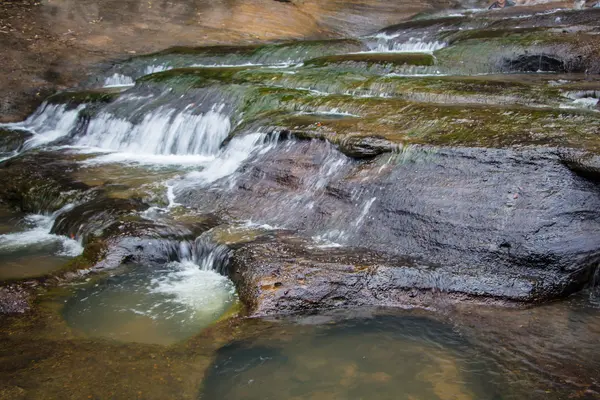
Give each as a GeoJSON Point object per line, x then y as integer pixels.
{"type": "Point", "coordinates": [151, 304]}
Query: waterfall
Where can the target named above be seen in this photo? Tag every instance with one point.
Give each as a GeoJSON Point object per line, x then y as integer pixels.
{"type": "Point", "coordinates": [49, 123]}
{"type": "Point", "coordinates": [118, 80]}
{"type": "Point", "coordinates": [411, 46]}
{"type": "Point", "coordinates": [398, 43]}
{"type": "Point", "coordinates": [229, 159]}
{"type": "Point", "coordinates": [162, 132]}
{"type": "Point", "coordinates": [38, 233]}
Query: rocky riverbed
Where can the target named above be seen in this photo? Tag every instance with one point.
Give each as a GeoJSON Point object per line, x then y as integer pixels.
{"type": "Point", "coordinates": [444, 163]}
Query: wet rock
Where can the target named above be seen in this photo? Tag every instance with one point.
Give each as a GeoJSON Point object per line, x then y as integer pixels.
{"type": "Point", "coordinates": [582, 163]}
{"type": "Point", "coordinates": [289, 275]}
{"type": "Point", "coordinates": [417, 59]}
{"type": "Point", "coordinates": [497, 223]}
{"type": "Point", "coordinates": [39, 182]}
{"type": "Point", "coordinates": [100, 218]}
{"type": "Point", "coordinates": [366, 147]}
{"type": "Point", "coordinates": [75, 98]}
{"type": "Point", "coordinates": [522, 51]}
{"type": "Point", "coordinates": [12, 140]}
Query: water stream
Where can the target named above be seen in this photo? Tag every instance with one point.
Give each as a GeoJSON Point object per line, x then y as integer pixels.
{"type": "Point", "coordinates": [317, 145]}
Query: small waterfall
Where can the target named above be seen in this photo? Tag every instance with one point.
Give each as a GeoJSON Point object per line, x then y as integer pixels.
{"type": "Point", "coordinates": [164, 131]}
{"type": "Point", "coordinates": [49, 123]}
{"type": "Point", "coordinates": [387, 44]}
{"type": "Point", "coordinates": [229, 159]}
{"type": "Point", "coordinates": [38, 233]}
{"type": "Point", "coordinates": [118, 80]}
{"type": "Point", "coordinates": [210, 256]}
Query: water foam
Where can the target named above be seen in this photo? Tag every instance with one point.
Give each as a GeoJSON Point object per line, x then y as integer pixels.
{"type": "Point", "coordinates": [164, 132]}
{"type": "Point", "coordinates": [49, 123]}
{"type": "Point", "coordinates": [38, 233]}
{"type": "Point", "coordinates": [231, 158]}
{"type": "Point", "coordinates": [118, 80]}
{"type": "Point", "coordinates": [387, 44]}
{"type": "Point", "coordinates": [197, 292]}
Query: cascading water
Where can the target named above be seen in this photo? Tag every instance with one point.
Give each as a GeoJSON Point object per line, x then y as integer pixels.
{"type": "Point", "coordinates": [48, 124]}
{"type": "Point", "coordinates": [38, 232]}
{"type": "Point", "coordinates": [395, 44]}
{"type": "Point", "coordinates": [163, 132]}
{"type": "Point", "coordinates": [118, 80]}
{"type": "Point", "coordinates": [32, 250]}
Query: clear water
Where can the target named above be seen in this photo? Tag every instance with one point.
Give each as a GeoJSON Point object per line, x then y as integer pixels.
{"type": "Point", "coordinates": [146, 304]}
{"type": "Point", "coordinates": [386, 357]}
{"type": "Point", "coordinates": [485, 353]}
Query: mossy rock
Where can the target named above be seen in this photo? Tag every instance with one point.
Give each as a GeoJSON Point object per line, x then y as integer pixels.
{"type": "Point", "coordinates": [424, 22]}
{"type": "Point", "coordinates": [400, 122]}
{"type": "Point", "coordinates": [547, 50]}
{"type": "Point", "coordinates": [37, 182]}
{"type": "Point", "coordinates": [12, 140]}
{"type": "Point", "coordinates": [73, 98]}
{"type": "Point", "coordinates": [483, 34]}
{"type": "Point", "coordinates": [195, 77]}
{"type": "Point", "coordinates": [416, 59]}
{"type": "Point", "coordinates": [204, 50]}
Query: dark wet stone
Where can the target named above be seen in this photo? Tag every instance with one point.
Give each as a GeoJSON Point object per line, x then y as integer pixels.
{"type": "Point", "coordinates": [503, 224]}
{"type": "Point", "coordinates": [12, 140]}
{"type": "Point", "coordinates": [542, 62]}
{"type": "Point", "coordinates": [39, 182]}
{"type": "Point", "coordinates": [582, 163]}
{"type": "Point", "coordinates": [74, 98]}
{"type": "Point", "coordinates": [366, 147]}
{"type": "Point", "coordinates": [100, 217]}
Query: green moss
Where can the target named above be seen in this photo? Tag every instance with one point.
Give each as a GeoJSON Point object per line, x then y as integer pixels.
{"type": "Point", "coordinates": [195, 77]}
{"type": "Point", "coordinates": [417, 59]}
{"type": "Point", "coordinates": [87, 96]}
{"type": "Point", "coordinates": [205, 50]}
{"type": "Point", "coordinates": [401, 122]}
{"type": "Point", "coordinates": [483, 34]}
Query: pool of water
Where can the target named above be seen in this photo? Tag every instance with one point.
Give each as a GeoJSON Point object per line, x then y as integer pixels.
{"type": "Point", "coordinates": [150, 304]}
{"type": "Point", "coordinates": [384, 357]}
{"type": "Point", "coordinates": [461, 352]}
{"type": "Point", "coordinates": [550, 352]}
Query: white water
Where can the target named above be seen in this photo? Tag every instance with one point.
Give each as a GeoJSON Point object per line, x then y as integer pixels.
{"type": "Point", "coordinates": [164, 132]}
{"type": "Point", "coordinates": [118, 80]}
{"type": "Point", "coordinates": [387, 44]}
{"type": "Point", "coordinates": [230, 159]}
{"type": "Point", "coordinates": [199, 292]}
{"type": "Point", "coordinates": [49, 123]}
{"type": "Point", "coordinates": [38, 233]}
{"type": "Point", "coordinates": [152, 305]}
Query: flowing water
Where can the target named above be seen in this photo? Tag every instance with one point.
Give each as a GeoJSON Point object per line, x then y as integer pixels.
{"type": "Point", "coordinates": [202, 151]}
{"type": "Point", "coordinates": [29, 249]}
